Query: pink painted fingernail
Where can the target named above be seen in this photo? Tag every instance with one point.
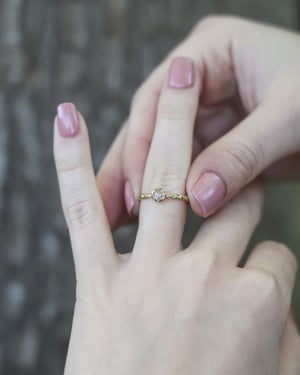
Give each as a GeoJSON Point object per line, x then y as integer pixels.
{"type": "Point", "coordinates": [129, 198]}
{"type": "Point", "coordinates": [67, 118]}
{"type": "Point", "coordinates": [182, 73]}
{"type": "Point", "coordinates": [209, 191]}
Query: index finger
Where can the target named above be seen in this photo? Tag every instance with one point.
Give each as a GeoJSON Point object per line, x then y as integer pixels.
{"type": "Point", "coordinates": [92, 243]}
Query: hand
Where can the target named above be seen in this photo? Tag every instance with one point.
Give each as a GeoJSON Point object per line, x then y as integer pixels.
{"type": "Point", "coordinates": [161, 310]}
{"type": "Point", "coordinates": [250, 77]}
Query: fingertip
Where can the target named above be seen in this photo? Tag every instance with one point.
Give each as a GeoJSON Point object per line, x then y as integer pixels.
{"type": "Point", "coordinates": [67, 120]}
{"type": "Point", "coordinates": [207, 194]}
{"type": "Point", "coordinates": [133, 169]}
{"type": "Point", "coordinates": [135, 210]}
{"type": "Point", "coordinates": [196, 207]}
{"type": "Point", "coordinates": [182, 73]}
{"type": "Point", "coordinates": [69, 128]}
{"type": "Point", "coordinates": [131, 200]}
{"type": "Point", "coordinates": [112, 192]}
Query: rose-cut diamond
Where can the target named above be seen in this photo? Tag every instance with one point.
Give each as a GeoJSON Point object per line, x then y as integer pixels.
{"type": "Point", "coordinates": [158, 194]}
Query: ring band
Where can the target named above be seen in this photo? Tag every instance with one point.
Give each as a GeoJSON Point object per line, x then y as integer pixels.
{"type": "Point", "coordinates": [159, 194]}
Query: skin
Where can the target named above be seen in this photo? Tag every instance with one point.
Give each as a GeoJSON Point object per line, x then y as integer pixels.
{"type": "Point", "coordinates": [162, 310]}
{"type": "Point", "coordinates": [248, 116]}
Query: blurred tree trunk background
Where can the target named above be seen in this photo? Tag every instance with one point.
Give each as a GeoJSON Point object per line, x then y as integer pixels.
{"type": "Point", "coordinates": [94, 53]}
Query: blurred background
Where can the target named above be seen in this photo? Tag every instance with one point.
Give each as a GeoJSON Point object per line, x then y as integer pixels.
{"type": "Point", "coordinates": [94, 53]}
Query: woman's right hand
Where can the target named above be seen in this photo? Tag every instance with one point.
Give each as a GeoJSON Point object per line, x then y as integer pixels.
{"type": "Point", "coordinates": [250, 77]}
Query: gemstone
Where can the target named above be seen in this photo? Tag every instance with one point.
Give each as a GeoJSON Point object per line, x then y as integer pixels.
{"type": "Point", "coordinates": [158, 195]}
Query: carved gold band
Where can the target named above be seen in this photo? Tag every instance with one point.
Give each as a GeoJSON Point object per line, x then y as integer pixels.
{"type": "Point", "coordinates": [159, 194]}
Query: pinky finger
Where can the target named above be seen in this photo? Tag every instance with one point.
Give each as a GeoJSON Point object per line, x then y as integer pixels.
{"type": "Point", "coordinates": [276, 261]}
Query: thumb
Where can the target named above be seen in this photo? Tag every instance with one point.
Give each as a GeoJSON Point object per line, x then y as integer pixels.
{"type": "Point", "coordinates": [231, 162]}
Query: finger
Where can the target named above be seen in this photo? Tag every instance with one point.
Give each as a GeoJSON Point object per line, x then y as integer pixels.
{"type": "Point", "coordinates": [205, 48]}
{"type": "Point", "coordinates": [214, 122]}
{"type": "Point", "coordinates": [161, 224]}
{"type": "Point", "coordinates": [279, 264]}
{"type": "Point", "coordinates": [232, 227]}
{"type": "Point", "coordinates": [230, 163]}
{"type": "Point", "coordinates": [290, 349]}
{"type": "Point", "coordinates": [110, 181]}
{"type": "Point", "coordinates": [92, 244]}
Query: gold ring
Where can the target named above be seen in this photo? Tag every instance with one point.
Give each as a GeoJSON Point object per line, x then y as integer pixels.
{"type": "Point", "coordinates": [159, 194]}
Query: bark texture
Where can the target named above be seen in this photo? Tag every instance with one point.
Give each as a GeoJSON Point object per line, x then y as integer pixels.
{"type": "Point", "coordinates": [94, 53]}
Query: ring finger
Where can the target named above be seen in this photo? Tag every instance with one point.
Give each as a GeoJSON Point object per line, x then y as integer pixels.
{"type": "Point", "coordinates": [161, 223]}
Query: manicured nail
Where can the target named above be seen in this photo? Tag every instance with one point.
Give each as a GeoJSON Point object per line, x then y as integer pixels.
{"type": "Point", "coordinates": [129, 198]}
{"type": "Point", "coordinates": [182, 73]}
{"type": "Point", "coordinates": [209, 191]}
{"type": "Point", "coordinates": [67, 118]}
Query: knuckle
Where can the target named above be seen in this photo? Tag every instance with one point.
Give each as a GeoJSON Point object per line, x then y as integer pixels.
{"type": "Point", "coordinates": [245, 160]}
{"type": "Point", "coordinates": [268, 282]}
{"type": "Point", "coordinates": [209, 21]}
{"type": "Point", "coordinates": [209, 262]}
{"type": "Point", "coordinates": [286, 254]}
{"type": "Point", "coordinates": [274, 245]}
{"type": "Point", "coordinates": [80, 212]}
{"type": "Point", "coordinates": [215, 20]}
{"type": "Point", "coordinates": [262, 290]}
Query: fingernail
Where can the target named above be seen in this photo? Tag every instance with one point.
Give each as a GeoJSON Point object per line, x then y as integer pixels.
{"type": "Point", "coordinates": [67, 118]}
{"type": "Point", "coordinates": [181, 73]}
{"type": "Point", "coordinates": [209, 191]}
{"type": "Point", "coordinates": [129, 198]}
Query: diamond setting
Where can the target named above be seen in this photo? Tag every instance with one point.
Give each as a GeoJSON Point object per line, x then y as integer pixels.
{"type": "Point", "coordinates": [159, 194]}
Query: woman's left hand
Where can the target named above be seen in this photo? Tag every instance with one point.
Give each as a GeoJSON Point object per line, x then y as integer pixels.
{"type": "Point", "coordinates": [162, 310]}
